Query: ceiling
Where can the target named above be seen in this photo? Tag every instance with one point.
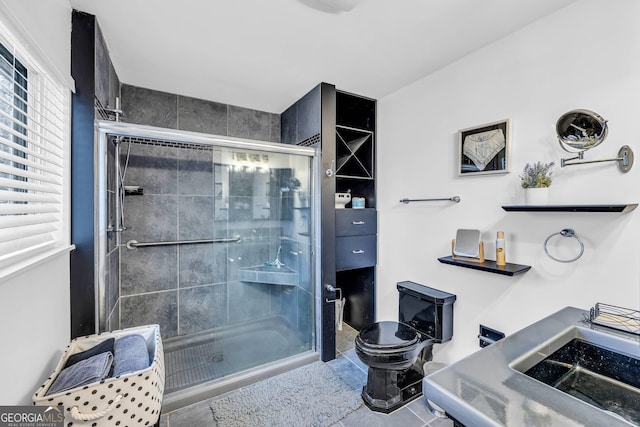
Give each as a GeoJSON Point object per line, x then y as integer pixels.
{"type": "Point", "coordinates": [265, 54]}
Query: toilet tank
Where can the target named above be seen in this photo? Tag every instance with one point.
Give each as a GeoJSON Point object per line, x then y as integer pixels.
{"type": "Point", "coordinates": [426, 309]}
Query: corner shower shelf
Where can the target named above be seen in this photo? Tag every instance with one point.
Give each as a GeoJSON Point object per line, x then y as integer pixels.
{"type": "Point", "coordinates": [269, 275]}
{"type": "Point", "coordinates": [488, 266]}
{"type": "Point", "coordinates": [622, 208]}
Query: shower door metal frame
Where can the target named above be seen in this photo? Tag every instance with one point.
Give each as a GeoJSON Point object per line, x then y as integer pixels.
{"type": "Point", "coordinates": [106, 128]}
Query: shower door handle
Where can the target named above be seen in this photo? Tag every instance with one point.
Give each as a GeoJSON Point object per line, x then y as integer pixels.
{"type": "Point", "coordinates": [330, 288]}
{"type": "Point", "coordinates": [329, 172]}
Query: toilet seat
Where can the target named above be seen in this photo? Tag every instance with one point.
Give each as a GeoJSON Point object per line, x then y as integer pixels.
{"type": "Point", "coordinates": [387, 337]}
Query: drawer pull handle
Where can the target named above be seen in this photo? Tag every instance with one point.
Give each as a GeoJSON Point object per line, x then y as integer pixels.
{"type": "Point", "coordinates": [357, 222]}
{"type": "Point", "coordinates": [357, 251]}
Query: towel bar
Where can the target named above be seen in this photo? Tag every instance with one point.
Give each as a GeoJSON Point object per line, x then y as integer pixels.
{"type": "Point", "coordinates": [455, 199]}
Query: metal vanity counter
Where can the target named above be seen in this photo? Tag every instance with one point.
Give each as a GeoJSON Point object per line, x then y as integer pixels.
{"type": "Point", "coordinates": [486, 389]}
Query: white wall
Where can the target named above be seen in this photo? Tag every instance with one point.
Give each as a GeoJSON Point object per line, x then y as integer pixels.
{"type": "Point", "coordinates": [48, 28]}
{"type": "Point", "coordinates": [584, 56]}
{"type": "Point", "coordinates": [34, 305]}
{"type": "Point", "coordinates": [34, 325]}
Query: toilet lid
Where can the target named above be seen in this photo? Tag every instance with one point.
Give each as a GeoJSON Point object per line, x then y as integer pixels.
{"type": "Point", "coordinates": [388, 336]}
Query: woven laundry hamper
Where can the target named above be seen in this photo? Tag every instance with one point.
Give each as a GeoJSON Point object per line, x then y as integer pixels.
{"type": "Point", "coordinates": [132, 399]}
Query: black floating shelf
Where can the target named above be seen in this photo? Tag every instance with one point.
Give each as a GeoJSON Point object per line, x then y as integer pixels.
{"type": "Point", "coordinates": [572, 208]}
{"type": "Point", "coordinates": [488, 265]}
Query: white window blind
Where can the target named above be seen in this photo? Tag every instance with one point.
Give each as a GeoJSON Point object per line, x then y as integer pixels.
{"type": "Point", "coordinates": [33, 135]}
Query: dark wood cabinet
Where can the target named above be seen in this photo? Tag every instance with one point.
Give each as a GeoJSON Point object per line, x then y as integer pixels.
{"type": "Point", "coordinates": [356, 229]}
{"type": "Point", "coordinates": [356, 222]}
{"type": "Point", "coordinates": [355, 252]}
{"type": "Point", "coordinates": [359, 310]}
{"type": "Point", "coordinates": [343, 126]}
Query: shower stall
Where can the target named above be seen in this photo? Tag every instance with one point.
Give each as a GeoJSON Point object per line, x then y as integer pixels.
{"type": "Point", "coordinates": [212, 238]}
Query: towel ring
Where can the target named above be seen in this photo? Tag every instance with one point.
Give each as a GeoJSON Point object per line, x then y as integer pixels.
{"type": "Point", "coordinates": [565, 232]}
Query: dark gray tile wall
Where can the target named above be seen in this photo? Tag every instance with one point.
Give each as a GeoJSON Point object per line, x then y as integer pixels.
{"type": "Point", "coordinates": [107, 88]}
{"type": "Point", "coordinates": [113, 321]}
{"type": "Point", "coordinates": [113, 292]}
{"type": "Point", "coordinates": [111, 196]}
{"type": "Point", "coordinates": [162, 109]}
{"type": "Point", "coordinates": [305, 314]}
{"type": "Point", "coordinates": [249, 301]}
{"type": "Point", "coordinates": [289, 125]}
{"type": "Point", "coordinates": [251, 124]}
{"type": "Point", "coordinates": [202, 264]}
{"type": "Point", "coordinates": [309, 119]}
{"type": "Point", "coordinates": [302, 120]}
{"type": "Point", "coordinates": [149, 107]}
{"type": "Point", "coordinates": [200, 280]}
{"type": "Point", "coordinates": [190, 288]}
{"type": "Point", "coordinates": [290, 306]}
{"type": "Point", "coordinates": [202, 308]}
{"type": "Point", "coordinates": [102, 64]}
{"type": "Point", "coordinates": [107, 83]}
{"type": "Point", "coordinates": [154, 168]}
{"type": "Point", "coordinates": [148, 269]}
{"type": "Point", "coordinates": [203, 116]}
{"type": "Point", "coordinates": [274, 136]}
{"type": "Point", "coordinates": [195, 217]}
{"type": "Point", "coordinates": [195, 172]}
{"type": "Point", "coordinates": [151, 308]}
{"type": "Point", "coordinates": [151, 217]}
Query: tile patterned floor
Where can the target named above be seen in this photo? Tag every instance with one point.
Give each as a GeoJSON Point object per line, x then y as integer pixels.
{"type": "Point", "coordinates": [345, 339]}
{"type": "Point", "coordinates": [415, 414]}
{"type": "Point", "coordinates": [353, 372]}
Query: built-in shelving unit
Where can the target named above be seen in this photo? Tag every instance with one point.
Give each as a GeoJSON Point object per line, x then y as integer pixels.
{"type": "Point", "coordinates": [356, 229]}
{"type": "Point", "coordinates": [622, 208]}
{"type": "Point", "coordinates": [488, 265]}
{"type": "Point", "coordinates": [354, 150]}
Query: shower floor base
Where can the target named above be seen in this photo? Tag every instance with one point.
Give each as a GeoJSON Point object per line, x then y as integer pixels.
{"type": "Point", "coordinates": [194, 363]}
{"type": "Point", "coordinates": [207, 356]}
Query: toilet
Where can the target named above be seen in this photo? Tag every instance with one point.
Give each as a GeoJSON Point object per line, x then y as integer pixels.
{"type": "Point", "coordinates": [395, 352]}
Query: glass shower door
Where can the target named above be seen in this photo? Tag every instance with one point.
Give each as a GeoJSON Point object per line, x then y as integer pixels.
{"type": "Point", "coordinates": [263, 310]}
{"type": "Point", "coordinates": [218, 251]}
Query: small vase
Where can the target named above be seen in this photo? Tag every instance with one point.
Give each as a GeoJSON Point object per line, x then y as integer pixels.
{"type": "Point", "coordinates": [536, 196]}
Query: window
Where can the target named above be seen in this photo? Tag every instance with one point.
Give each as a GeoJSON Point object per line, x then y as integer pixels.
{"type": "Point", "coordinates": [33, 139]}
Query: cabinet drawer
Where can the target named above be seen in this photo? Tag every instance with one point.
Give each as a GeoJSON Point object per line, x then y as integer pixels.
{"type": "Point", "coordinates": [355, 252]}
{"type": "Point", "coordinates": [355, 222]}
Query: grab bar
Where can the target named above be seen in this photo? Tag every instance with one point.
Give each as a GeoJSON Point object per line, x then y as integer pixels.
{"type": "Point", "coordinates": [132, 244]}
{"type": "Point", "coordinates": [450, 199]}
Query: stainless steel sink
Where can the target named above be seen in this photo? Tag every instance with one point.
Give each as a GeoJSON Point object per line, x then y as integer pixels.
{"type": "Point", "coordinates": [601, 369]}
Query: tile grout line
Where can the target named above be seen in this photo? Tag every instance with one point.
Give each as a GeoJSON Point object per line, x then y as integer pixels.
{"type": "Point", "coordinates": [354, 363]}
{"type": "Point", "coordinates": [419, 417]}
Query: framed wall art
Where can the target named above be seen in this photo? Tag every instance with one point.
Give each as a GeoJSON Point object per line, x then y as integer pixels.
{"type": "Point", "coordinates": [485, 149]}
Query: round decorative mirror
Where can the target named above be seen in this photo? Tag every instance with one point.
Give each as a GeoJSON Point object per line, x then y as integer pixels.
{"type": "Point", "coordinates": [581, 130]}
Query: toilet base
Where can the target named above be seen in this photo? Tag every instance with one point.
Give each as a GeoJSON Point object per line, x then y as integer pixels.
{"type": "Point", "coordinates": [387, 390]}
